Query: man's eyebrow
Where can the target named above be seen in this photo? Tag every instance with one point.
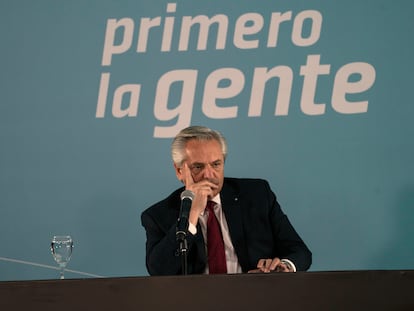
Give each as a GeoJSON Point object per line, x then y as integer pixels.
{"type": "Point", "coordinates": [197, 163]}
{"type": "Point", "coordinates": [202, 163]}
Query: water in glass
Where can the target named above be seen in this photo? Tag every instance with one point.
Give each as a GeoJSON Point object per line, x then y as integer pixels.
{"type": "Point", "coordinates": [61, 248]}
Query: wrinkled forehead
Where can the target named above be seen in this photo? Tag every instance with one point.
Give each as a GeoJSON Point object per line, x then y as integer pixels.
{"type": "Point", "coordinates": [203, 151]}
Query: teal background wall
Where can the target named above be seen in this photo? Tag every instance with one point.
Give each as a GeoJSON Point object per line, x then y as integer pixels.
{"type": "Point", "coordinates": [345, 179]}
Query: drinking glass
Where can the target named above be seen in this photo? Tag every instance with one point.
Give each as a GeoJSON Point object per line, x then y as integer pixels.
{"type": "Point", "coordinates": [61, 248]}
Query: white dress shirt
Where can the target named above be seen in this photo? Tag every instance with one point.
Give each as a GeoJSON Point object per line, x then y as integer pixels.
{"type": "Point", "coordinates": [232, 261]}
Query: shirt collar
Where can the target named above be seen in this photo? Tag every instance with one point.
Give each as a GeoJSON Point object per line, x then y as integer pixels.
{"type": "Point", "coordinates": [216, 200]}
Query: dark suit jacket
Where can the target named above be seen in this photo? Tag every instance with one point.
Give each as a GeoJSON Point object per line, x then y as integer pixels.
{"type": "Point", "coordinates": [258, 229]}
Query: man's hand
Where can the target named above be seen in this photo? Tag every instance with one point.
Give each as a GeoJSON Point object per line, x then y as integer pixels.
{"type": "Point", "coordinates": [203, 191]}
{"type": "Point", "coordinates": [271, 265]}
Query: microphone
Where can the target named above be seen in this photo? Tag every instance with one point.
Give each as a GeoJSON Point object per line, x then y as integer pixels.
{"type": "Point", "coordinates": [183, 222]}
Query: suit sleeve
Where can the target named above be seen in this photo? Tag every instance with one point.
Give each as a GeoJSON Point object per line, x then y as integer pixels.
{"type": "Point", "coordinates": [162, 257]}
{"type": "Point", "coordinates": [289, 245]}
{"type": "Point", "coordinates": [161, 247]}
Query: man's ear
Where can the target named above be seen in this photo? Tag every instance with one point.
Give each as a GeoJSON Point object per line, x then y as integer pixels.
{"type": "Point", "coordinates": [178, 172]}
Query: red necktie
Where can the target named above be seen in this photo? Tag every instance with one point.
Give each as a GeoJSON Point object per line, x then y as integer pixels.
{"type": "Point", "coordinates": [215, 244]}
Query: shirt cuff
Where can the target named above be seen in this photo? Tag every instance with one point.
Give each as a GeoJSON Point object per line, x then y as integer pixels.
{"type": "Point", "coordinates": [192, 229]}
{"type": "Point", "coordinates": [289, 264]}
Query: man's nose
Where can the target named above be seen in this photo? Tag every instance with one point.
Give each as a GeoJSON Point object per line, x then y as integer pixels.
{"type": "Point", "coordinates": [208, 172]}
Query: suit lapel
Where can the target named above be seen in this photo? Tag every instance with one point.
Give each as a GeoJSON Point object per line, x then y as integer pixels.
{"type": "Point", "coordinates": [232, 208]}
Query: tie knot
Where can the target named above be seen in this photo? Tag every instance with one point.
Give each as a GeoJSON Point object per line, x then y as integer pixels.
{"type": "Point", "coordinates": [210, 206]}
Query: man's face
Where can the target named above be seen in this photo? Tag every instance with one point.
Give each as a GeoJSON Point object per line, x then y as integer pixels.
{"type": "Point", "coordinates": [205, 161]}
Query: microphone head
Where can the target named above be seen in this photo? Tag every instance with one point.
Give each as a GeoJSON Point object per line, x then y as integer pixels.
{"type": "Point", "coordinates": [187, 194]}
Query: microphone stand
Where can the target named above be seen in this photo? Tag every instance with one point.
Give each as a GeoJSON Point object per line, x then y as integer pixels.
{"type": "Point", "coordinates": [182, 227]}
{"type": "Point", "coordinates": [181, 236]}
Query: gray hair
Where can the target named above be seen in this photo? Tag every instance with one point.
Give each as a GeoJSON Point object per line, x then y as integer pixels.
{"type": "Point", "coordinates": [194, 132]}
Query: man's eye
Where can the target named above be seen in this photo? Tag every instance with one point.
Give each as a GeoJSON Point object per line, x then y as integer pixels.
{"type": "Point", "coordinates": [196, 168]}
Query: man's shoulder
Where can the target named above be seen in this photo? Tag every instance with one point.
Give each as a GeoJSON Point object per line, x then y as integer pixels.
{"type": "Point", "coordinates": [245, 182]}
{"type": "Point", "coordinates": [246, 190]}
{"type": "Point", "coordinates": [170, 201]}
{"type": "Point", "coordinates": [245, 185]}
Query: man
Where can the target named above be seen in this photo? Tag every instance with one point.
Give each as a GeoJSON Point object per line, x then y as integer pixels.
{"type": "Point", "coordinates": [257, 235]}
